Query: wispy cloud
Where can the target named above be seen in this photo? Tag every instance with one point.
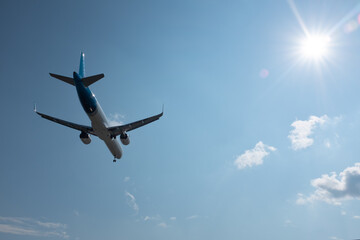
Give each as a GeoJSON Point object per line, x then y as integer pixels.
{"type": "Point", "coordinates": [32, 227]}
{"type": "Point", "coordinates": [299, 136]}
{"type": "Point", "coordinates": [126, 179]}
{"type": "Point", "coordinates": [335, 238]}
{"type": "Point", "coordinates": [172, 218]}
{"type": "Point", "coordinates": [288, 223]}
{"type": "Point", "coordinates": [157, 219]}
{"type": "Point", "coordinates": [131, 201]}
{"type": "Point", "coordinates": [356, 217]}
{"type": "Point", "coordinates": [76, 212]}
{"type": "Point", "coordinates": [163, 225]}
{"type": "Point", "coordinates": [333, 188]}
{"type": "Point", "coordinates": [116, 119]}
{"type": "Point", "coordinates": [327, 143]}
{"type": "Point", "coordinates": [192, 217]}
{"type": "Point", "coordinates": [253, 156]}
{"type": "Point", "coordinates": [152, 218]}
{"type": "Point", "coordinates": [147, 218]}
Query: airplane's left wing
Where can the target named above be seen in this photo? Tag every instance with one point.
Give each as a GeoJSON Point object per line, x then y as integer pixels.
{"type": "Point", "coordinates": [117, 130]}
{"type": "Point", "coordinates": [79, 127]}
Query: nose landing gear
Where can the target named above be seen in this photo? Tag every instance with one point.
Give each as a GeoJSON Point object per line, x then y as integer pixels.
{"type": "Point", "coordinates": [114, 159]}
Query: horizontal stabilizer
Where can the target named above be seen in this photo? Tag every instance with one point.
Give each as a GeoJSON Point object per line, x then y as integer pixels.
{"type": "Point", "coordinates": [63, 78]}
{"type": "Point", "coordinates": [90, 80]}
{"type": "Point", "coordinates": [87, 80]}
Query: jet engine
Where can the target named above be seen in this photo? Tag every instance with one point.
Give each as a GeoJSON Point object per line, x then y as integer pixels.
{"type": "Point", "coordinates": [124, 138]}
{"type": "Point", "coordinates": [85, 138]}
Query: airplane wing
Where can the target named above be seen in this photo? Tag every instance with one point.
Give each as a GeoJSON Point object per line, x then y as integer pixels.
{"type": "Point", "coordinates": [117, 130]}
{"type": "Point", "coordinates": [79, 127]}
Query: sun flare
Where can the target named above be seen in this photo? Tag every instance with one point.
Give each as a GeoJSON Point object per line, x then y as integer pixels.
{"type": "Point", "coordinates": [315, 47]}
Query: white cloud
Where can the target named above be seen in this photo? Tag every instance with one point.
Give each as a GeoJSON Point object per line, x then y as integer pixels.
{"type": "Point", "coordinates": [32, 227]}
{"type": "Point", "coordinates": [253, 156]}
{"type": "Point", "coordinates": [288, 223]}
{"type": "Point", "coordinates": [51, 224]}
{"type": "Point", "coordinates": [157, 219]}
{"type": "Point", "coordinates": [154, 218]}
{"type": "Point", "coordinates": [126, 179]}
{"type": "Point", "coordinates": [6, 228]}
{"type": "Point", "coordinates": [343, 213]}
{"type": "Point", "coordinates": [299, 136]}
{"type": "Point", "coordinates": [162, 224]}
{"type": "Point", "coordinates": [356, 217]}
{"type": "Point", "coordinates": [192, 217]}
{"type": "Point", "coordinates": [131, 201]}
{"type": "Point", "coordinates": [334, 188]}
{"type": "Point", "coordinates": [76, 212]}
{"type": "Point", "coordinates": [327, 143]}
{"type": "Point", "coordinates": [336, 238]}
{"type": "Point", "coordinates": [115, 119]}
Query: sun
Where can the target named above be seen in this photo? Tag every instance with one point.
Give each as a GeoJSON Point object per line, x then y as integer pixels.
{"type": "Point", "coordinates": [315, 47]}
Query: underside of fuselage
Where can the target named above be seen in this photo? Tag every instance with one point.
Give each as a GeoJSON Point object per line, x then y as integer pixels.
{"type": "Point", "coordinates": [100, 125]}
{"type": "Point", "coordinates": [96, 115]}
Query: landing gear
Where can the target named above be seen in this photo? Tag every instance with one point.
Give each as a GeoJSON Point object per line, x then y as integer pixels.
{"type": "Point", "coordinates": [114, 159]}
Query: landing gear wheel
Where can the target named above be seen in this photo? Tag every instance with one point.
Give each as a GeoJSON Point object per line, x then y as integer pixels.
{"type": "Point", "coordinates": [114, 160]}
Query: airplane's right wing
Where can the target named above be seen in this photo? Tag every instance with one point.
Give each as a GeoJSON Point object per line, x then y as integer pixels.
{"type": "Point", "coordinates": [79, 127]}
{"type": "Point", "coordinates": [117, 130]}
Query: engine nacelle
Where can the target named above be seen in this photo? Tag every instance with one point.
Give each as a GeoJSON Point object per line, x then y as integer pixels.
{"type": "Point", "coordinates": [85, 138]}
{"type": "Point", "coordinates": [124, 138]}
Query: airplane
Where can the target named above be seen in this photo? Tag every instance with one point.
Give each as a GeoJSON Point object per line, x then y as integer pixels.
{"type": "Point", "coordinates": [99, 124]}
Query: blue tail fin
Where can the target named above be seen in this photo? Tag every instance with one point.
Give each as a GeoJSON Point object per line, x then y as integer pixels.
{"type": "Point", "coordinates": [82, 65]}
{"type": "Point", "coordinates": [87, 81]}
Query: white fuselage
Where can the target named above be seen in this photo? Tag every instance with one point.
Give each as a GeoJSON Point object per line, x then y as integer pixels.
{"type": "Point", "coordinates": [98, 119]}
{"type": "Point", "coordinates": [100, 124]}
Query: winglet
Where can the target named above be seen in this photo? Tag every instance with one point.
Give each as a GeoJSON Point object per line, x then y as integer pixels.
{"type": "Point", "coordinates": [35, 110]}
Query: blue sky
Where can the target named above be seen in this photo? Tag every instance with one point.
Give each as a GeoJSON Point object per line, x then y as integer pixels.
{"type": "Point", "coordinates": [257, 140]}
